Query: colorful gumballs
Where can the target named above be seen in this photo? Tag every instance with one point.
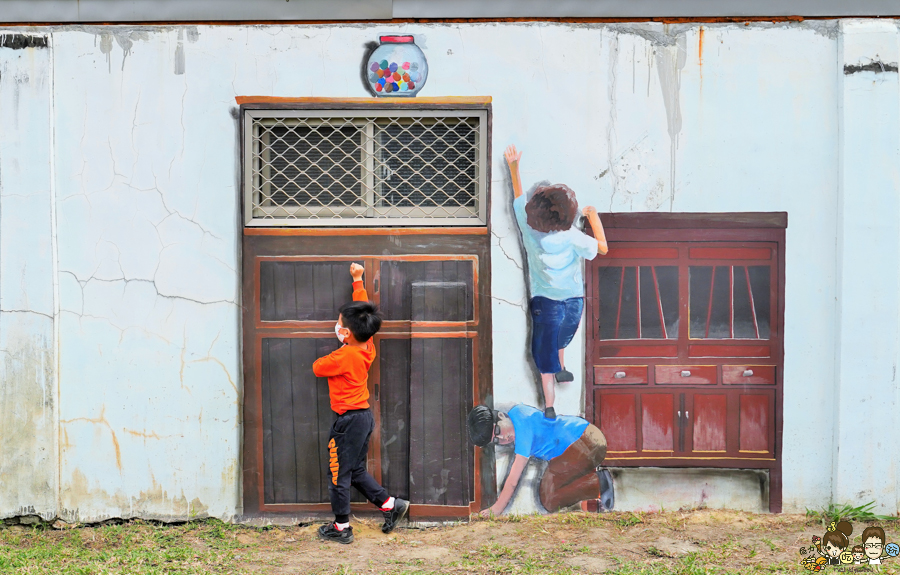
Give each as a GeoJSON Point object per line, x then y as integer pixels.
{"type": "Point", "coordinates": [395, 87]}
{"type": "Point", "coordinates": [405, 66]}
{"type": "Point", "coordinates": [393, 67]}
{"type": "Point", "coordinates": [388, 88]}
{"type": "Point", "coordinates": [383, 64]}
{"type": "Point", "coordinates": [374, 67]}
{"type": "Point", "coordinates": [378, 87]}
{"type": "Point", "coordinates": [405, 77]}
{"type": "Point", "coordinates": [892, 549]}
{"type": "Point", "coordinates": [412, 85]}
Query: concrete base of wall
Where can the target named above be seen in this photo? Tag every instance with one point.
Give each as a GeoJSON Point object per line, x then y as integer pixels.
{"type": "Point", "coordinates": [656, 488]}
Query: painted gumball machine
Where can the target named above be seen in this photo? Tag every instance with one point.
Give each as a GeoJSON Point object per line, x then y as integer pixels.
{"type": "Point", "coordinates": [397, 67]}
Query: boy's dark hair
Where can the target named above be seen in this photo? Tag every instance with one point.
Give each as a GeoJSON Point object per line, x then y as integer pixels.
{"type": "Point", "coordinates": [480, 425]}
{"type": "Point", "coordinates": [552, 208]}
{"type": "Point", "coordinates": [858, 549]}
{"type": "Point", "coordinates": [873, 531]}
{"type": "Point", "coordinates": [362, 319]}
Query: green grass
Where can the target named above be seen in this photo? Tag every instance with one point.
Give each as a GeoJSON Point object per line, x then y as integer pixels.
{"type": "Point", "coordinates": [137, 548]}
{"type": "Point", "coordinates": [846, 512]}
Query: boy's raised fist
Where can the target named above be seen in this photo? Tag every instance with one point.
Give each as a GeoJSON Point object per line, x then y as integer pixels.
{"type": "Point", "coordinates": [356, 271]}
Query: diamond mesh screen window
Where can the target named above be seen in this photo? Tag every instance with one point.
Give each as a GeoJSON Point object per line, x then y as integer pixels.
{"type": "Point", "coordinates": [367, 167]}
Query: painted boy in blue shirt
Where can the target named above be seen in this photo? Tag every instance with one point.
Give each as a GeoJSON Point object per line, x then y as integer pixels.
{"type": "Point", "coordinates": [574, 448]}
{"type": "Point", "coordinates": [555, 250]}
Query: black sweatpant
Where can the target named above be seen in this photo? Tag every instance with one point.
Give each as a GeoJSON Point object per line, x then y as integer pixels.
{"type": "Point", "coordinates": [348, 447]}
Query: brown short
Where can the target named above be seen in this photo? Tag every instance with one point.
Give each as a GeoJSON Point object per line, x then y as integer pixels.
{"type": "Point", "coordinates": [572, 477]}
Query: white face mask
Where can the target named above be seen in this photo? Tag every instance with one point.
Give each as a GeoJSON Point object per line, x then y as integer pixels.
{"type": "Point", "coordinates": [337, 332]}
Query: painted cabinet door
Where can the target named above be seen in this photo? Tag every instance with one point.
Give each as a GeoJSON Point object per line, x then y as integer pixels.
{"type": "Point", "coordinates": [638, 424]}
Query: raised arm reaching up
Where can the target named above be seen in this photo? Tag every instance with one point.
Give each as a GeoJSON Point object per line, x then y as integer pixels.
{"type": "Point", "coordinates": [512, 159]}
{"type": "Point", "coordinates": [593, 218]}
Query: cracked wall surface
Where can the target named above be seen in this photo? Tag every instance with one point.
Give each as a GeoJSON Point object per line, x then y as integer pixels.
{"type": "Point", "coordinates": [27, 361]}
{"type": "Point", "coordinates": [633, 117]}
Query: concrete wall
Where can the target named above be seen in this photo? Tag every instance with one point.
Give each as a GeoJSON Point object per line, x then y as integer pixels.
{"type": "Point", "coordinates": [119, 227]}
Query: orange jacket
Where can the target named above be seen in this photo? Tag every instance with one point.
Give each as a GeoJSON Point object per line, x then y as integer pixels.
{"type": "Point", "coordinates": [347, 369]}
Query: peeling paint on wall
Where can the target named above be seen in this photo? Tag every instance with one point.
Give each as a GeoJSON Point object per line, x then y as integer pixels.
{"type": "Point", "coordinates": [21, 41]}
{"type": "Point", "coordinates": [876, 66]}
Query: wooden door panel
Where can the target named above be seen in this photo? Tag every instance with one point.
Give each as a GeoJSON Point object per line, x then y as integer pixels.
{"type": "Point", "coordinates": [395, 423]}
{"type": "Point", "coordinates": [303, 291]}
{"type": "Point", "coordinates": [438, 290]}
{"type": "Point", "coordinates": [709, 422]}
{"type": "Point", "coordinates": [297, 418]}
{"type": "Point", "coordinates": [755, 421]}
{"type": "Point", "coordinates": [439, 456]}
{"type": "Point", "coordinates": [617, 420]}
{"type": "Point", "coordinates": [657, 422]}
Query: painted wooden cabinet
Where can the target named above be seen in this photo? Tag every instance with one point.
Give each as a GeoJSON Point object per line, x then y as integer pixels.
{"type": "Point", "coordinates": [433, 355]}
{"type": "Point", "coordinates": [685, 341]}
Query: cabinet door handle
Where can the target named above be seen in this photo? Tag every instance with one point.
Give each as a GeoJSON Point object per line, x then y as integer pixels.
{"type": "Point", "coordinates": [685, 373]}
{"type": "Point", "coordinates": [687, 414]}
{"type": "Point", "coordinates": [748, 373]}
{"type": "Point", "coordinates": [619, 375]}
{"type": "Point", "coordinates": [679, 415]}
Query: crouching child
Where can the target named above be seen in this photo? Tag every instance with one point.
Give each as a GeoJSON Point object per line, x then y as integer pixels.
{"type": "Point", "coordinates": [573, 448]}
{"type": "Point", "coordinates": [347, 370]}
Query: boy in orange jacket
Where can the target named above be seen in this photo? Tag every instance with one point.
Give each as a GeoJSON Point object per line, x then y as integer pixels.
{"type": "Point", "coordinates": [347, 370]}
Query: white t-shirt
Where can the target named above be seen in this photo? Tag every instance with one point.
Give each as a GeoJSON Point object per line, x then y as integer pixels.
{"type": "Point", "coordinates": [554, 259]}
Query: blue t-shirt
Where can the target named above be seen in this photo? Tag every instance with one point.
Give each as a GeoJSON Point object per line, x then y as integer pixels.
{"type": "Point", "coordinates": [537, 436]}
{"type": "Point", "coordinates": [554, 259]}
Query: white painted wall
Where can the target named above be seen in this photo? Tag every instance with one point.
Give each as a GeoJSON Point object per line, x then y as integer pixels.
{"type": "Point", "coordinates": [144, 171]}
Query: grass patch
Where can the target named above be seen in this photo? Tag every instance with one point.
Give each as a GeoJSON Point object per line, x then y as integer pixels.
{"type": "Point", "coordinates": [847, 512]}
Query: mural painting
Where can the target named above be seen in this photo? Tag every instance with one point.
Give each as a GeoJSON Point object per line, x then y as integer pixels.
{"type": "Point", "coordinates": [555, 250]}
{"type": "Point", "coordinates": [573, 447]}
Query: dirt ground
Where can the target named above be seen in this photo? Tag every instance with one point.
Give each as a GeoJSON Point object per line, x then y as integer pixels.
{"type": "Point", "coordinates": [690, 542]}
{"type": "Point", "coordinates": [675, 542]}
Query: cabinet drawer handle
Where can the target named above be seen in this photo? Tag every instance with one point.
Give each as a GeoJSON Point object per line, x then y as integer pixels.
{"type": "Point", "coordinates": [748, 373]}
{"type": "Point", "coordinates": [619, 375]}
{"type": "Point", "coordinates": [685, 373]}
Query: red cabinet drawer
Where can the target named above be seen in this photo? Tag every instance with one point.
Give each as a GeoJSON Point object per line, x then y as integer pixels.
{"type": "Point", "coordinates": [620, 374]}
{"type": "Point", "coordinates": [749, 374]}
{"type": "Point", "coordinates": [686, 374]}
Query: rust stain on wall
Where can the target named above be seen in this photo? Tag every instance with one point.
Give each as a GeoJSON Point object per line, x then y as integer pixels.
{"type": "Point", "coordinates": [101, 420]}
{"type": "Point", "coordinates": [145, 504]}
{"type": "Point", "coordinates": [700, 49]}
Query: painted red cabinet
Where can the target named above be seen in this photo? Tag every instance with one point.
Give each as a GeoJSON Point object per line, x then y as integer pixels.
{"type": "Point", "coordinates": [685, 341]}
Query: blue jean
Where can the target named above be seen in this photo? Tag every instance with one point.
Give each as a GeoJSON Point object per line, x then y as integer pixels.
{"type": "Point", "coordinates": [554, 324]}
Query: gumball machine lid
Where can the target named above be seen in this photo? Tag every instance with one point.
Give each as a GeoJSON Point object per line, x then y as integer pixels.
{"type": "Point", "coordinates": [397, 39]}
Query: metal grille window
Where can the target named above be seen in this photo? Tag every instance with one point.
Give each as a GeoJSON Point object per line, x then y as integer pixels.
{"type": "Point", "coordinates": [371, 167]}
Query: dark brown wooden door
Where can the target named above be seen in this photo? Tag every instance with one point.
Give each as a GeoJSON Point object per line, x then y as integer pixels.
{"type": "Point", "coordinates": [431, 353]}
